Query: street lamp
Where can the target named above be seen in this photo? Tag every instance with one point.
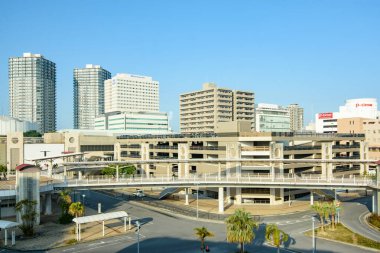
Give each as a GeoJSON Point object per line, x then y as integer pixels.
{"type": "Point", "coordinates": [313, 219]}
{"type": "Point", "coordinates": [138, 225]}
{"type": "Point", "coordinates": [0, 209]}
{"type": "Point", "coordinates": [84, 206]}
{"type": "Point", "coordinates": [197, 201]}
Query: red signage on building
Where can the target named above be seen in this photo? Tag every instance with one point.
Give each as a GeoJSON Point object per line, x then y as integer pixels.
{"type": "Point", "coordinates": [326, 115]}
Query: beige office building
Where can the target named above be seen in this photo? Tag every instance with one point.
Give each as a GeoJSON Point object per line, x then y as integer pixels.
{"type": "Point", "coordinates": [296, 117]}
{"type": "Point", "coordinates": [200, 111]}
{"type": "Point", "coordinates": [371, 128]}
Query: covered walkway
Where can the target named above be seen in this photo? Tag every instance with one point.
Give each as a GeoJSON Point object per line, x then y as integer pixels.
{"type": "Point", "coordinates": [101, 217]}
{"type": "Point", "coordinates": [5, 225]}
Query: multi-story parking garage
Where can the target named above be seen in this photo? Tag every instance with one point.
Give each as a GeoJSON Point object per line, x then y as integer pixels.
{"type": "Point", "coordinates": [235, 141]}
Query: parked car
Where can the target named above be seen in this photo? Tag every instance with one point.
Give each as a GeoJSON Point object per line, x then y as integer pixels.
{"type": "Point", "coordinates": [139, 193]}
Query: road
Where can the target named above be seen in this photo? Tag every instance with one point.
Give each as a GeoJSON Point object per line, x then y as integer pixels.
{"type": "Point", "coordinates": [162, 232]}
{"type": "Point", "coordinates": [353, 217]}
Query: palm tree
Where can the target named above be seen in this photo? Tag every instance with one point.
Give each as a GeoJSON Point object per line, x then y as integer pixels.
{"type": "Point", "coordinates": [27, 210]}
{"type": "Point", "coordinates": [76, 209]}
{"type": "Point", "coordinates": [240, 228]}
{"type": "Point", "coordinates": [275, 235]}
{"type": "Point", "coordinates": [202, 233]}
{"type": "Point", "coordinates": [65, 202]}
{"type": "Point", "coordinates": [332, 210]}
{"type": "Point", "coordinates": [321, 208]}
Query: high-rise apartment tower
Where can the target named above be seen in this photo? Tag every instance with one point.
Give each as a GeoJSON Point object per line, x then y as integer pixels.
{"type": "Point", "coordinates": [296, 117]}
{"type": "Point", "coordinates": [32, 94]}
{"type": "Point", "coordinates": [88, 95]}
{"type": "Point", "coordinates": [200, 111]}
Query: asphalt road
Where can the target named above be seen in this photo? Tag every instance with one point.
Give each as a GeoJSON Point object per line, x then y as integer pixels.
{"type": "Point", "coordinates": [161, 232]}
{"type": "Point", "coordinates": [353, 214]}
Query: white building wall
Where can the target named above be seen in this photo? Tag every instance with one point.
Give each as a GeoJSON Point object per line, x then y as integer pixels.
{"type": "Point", "coordinates": [354, 108]}
{"type": "Point", "coordinates": [9, 124]}
{"type": "Point", "coordinates": [133, 93]}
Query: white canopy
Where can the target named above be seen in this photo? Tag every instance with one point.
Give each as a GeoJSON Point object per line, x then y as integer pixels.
{"type": "Point", "coordinates": [5, 224]}
{"type": "Point", "coordinates": [100, 217]}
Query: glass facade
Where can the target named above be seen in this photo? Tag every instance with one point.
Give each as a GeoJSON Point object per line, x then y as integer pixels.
{"type": "Point", "coordinates": [88, 95]}
{"type": "Point", "coordinates": [32, 90]}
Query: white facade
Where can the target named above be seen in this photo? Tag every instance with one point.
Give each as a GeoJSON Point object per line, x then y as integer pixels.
{"type": "Point", "coordinates": [37, 151]}
{"type": "Point", "coordinates": [88, 95]}
{"type": "Point", "coordinates": [32, 93]}
{"type": "Point", "coordinates": [9, 124]}
{"type": "Point", "coordinates": [132, 93]}
{"type": "Point", "coordinates": [134, 122]}
{"type": "Point", "coordinates": [327, 122]}
{"type": "Point", "coordinates": [272, 118]}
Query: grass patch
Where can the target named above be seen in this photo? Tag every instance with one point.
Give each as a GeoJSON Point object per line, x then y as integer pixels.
{"type": "Point", "coordinates": [71, 242]}
{"type": "Point", "coordinates": [343, 234]}
{"type": "Point", "coordinates": [374, 220]}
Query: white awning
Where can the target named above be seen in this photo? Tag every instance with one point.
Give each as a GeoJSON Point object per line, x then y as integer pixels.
{"type": "Point", "coordinates": [100, 217]}
{"type": "Point", "coordinates": [5, 224]}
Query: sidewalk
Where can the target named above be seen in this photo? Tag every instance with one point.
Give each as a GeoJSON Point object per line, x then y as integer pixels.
{"type": "Point", "coordinates": [50, 234]}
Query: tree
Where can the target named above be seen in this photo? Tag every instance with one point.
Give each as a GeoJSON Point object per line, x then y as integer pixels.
{"type": "Point", "coordinates": [65, 202]}
{"type": "Point", "coordinates": [240, 227]}
{"type": "Point", "coordinates": [332, 211]}
{"type": "Point", "coordinates": [322, 209]}
{"type": "Point", "coordinates": [275, 236]}
{"type": "Point", "coordinates": [32, 133]}
{"type": "Point", "coordinates": [123, 169]}
{"type": "Point", "coordinates": [27, 210]}
{"type": "Point", "coordinates": [202, 233]}
{"type": "Point", "coordinates": [3, 170]}
{"type": "Point", "coordinates": [76, 209]}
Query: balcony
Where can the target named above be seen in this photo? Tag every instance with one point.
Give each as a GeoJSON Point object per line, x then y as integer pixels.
{"type": "Point", "coordinates": [207, 148]}
{"type": "Point", "coordinates": [347, 157]}
{"type": "Point", "coordinates": [356, 145]}
{"type": "Point", "coordinates": [130, 146]}
{"type": "Point", "coordinates": [288, 148]}
{"type": "Point", "coordinates": [255, 148]}
{"type": "Point", "coordinates": [162, 147]}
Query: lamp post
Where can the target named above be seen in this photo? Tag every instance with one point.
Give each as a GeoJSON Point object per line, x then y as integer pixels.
{"type": "Point", "coordinates": [313, 219]}
{"type": "Point", "coordinates": [138, 225]}
{"type": "Point", "coordinates": [0, 209]}
{"type": "Point", "coordinates": [197, 201]}
{"type": "Point", "coordinates": [84, 206]}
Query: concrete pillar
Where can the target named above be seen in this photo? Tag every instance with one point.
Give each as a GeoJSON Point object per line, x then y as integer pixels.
{"type": "Point", "coordinates": [326, 155]}
{"type": "Point", "coordinates": [103, 229]}
{"type": "Point", "coordinates": [13, 237]}
{"type": "Point", "coordinates": [238, 196]}
{"type": "Point", "coordinates": [311, 198]}
{"type": "Point", "coordinates": [99, 207]}
{"type": "Point", "coordinates": [5, 237]}
{"type": "Point", "coordinates": [79, 175]}
{"type": "Point", "coordinates": [272, 196]}
{"type": "Point", "coordinates": [183, 154]}
{"type": "Point", "coordinates": [221, 200]}
{"type": "Point", "coordinates": [376, 201]}
{"type": "Point", "coordinates": [228, 193]}
{"type": "Point", "coordinates": [233, 151]}
{"type": "Point", "coordinates": [364, 152]}
{"type": "Point", "coordinates": [125, 223]}
{"type": "Point", "coordinates": [50, 169]}
{"type": "Point", "coordinates": [48, 204]}
{"type": "Point", "coordinates": [129, 223]}
{"type": "Point", "coordinates": [168, 174]}
{"type": "Point", "coordinates": [145, 150]}
{"type": "Point", "coordinates": [186, 196]}
{"type": "Point", "coordinates": [219, 171]}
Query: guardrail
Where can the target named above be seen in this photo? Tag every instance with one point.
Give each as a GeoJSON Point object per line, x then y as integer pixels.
{"type": "Point", "coordinates": [280, 180]}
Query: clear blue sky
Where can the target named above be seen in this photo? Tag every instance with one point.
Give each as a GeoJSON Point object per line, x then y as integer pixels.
{"type": "Point", "coordinates": [316, 53]}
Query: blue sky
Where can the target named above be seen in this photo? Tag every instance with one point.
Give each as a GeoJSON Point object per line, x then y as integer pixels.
{"type": "Point", "coordinates": [315, 53]}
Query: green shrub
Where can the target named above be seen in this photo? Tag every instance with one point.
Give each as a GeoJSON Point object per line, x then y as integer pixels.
{"type": "Point", "coordinates": [65, 218]}
{"type": "Point", "coordinates": [374, 219]}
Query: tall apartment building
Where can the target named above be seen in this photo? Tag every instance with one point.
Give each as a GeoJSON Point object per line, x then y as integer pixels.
{"type": "Point", "coordinates": [200, 111]}
{"type": "Point", "coordinates": [296, 117]}
{"type": "Point", "coordinates": [272, 118]}
{"type": "Point", "coordinates": [131, 93]}
{"type": "Point", "coordinates": [32, 95]}
{"type": "Point", "coordinates": [88, 95]}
